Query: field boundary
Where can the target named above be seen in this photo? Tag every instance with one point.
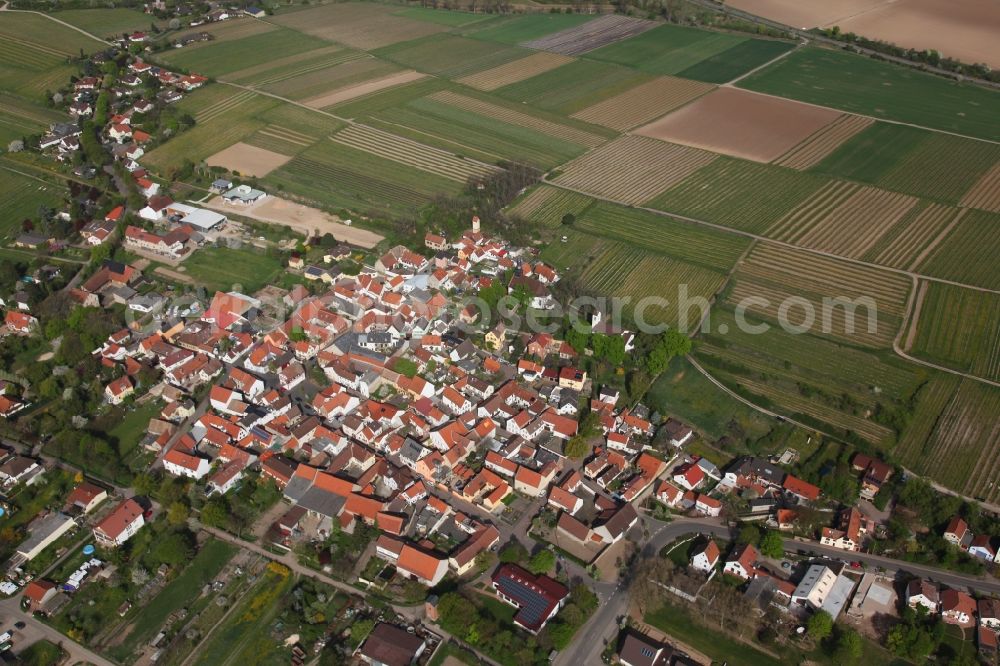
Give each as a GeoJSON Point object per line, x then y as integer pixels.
{"type": "Point", "coordinates": [6, 8]}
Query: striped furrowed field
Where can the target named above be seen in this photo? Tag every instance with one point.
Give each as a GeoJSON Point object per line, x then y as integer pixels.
{"type": "Point", "coordinates": [660, 233]}
{"type": "Point", "coordinates": [36, 32]}
{"type": "Point", "coordinates": [546, 205]}
{"type": "Point", "coordinates": [645, 102]}
{"type": "Point", "coordinates": [869, 305]}
{"type": "Point", "coordinates": [626, 271]}
{"type": "Point", "coordinates": [917, 233]}
{"type": "Point", "coordinates": [959, 328]}
{"type": "Point", "coordinates": [916, 444]}
{"type": "Point", "coordinates": [633, 169]}
{"type": "Point", "coordinates": [315, 86]}
{"type": "Point", "coordinates": [262, 73]}
{"type": "Point", "coordinates": [337, 175]}
{"type": "Point", "coordinates": [968, 253]}
{"type": "Point", "coordinates": [985, 194]}
{"type": "Point", "coordinates": [411, 153]}
{"type": "Point", "coordinates": [843, 218]}
{"type": "Point", "coordinates": [220, 58]}
{"type": "Point", "coordinates": [739, 194]}
{"type": "Point", "coordinates": [517, 70]}
{"type": "Point", "coordinates": [280, 140]}
{"type": "Point", "coordinates": [960, 448]}
{"type": "Point", "coordinates": [814, 149]}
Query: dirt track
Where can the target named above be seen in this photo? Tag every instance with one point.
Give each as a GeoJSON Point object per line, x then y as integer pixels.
{"type": "Point", "coordinates": [303, 219]}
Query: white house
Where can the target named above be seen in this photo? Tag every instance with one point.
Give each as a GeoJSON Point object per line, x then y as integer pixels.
{"type": "Point", "coordinates": [706, 557]}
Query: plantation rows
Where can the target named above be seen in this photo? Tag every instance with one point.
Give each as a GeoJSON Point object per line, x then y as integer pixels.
{"type": "Point", "coordinates": [643, 103]}
{"type": "Point", "coordinates": [739, 194]}
{"type": "Point", "coordinates": [986, 193]}
{"type": "Point", "coordinates": [16, 52]}
{"type": "Point", "coordinates": [915, 444]}
{"type": "Point", "coordinates": [960, 328]}
{"type": "Point", "coordinates": [812, 210]}
{"type": "Point", "coordinates": [546, 206]}
{"type": "Point", "coordinates": [941, 167]}
{"type": "Point", "coordinates": [518, 70]}
{"type": "Point", "coordinates": [907, 241]}
{"type": "Point", "coordinates": [633, 169]}
{"type": "Point", "coordinates": [688, 242]}
{"type": "Point", "coordinates": [368, 189]}
{"type": "Point", "coordinates": [811, 152]}
{"type": "Point", "coordinates": [857, 223]}
{"type": "Point", "coordinates": [224, 106]}
{"type": "Point", "coordinates": [411, 153]}
{"type": "Point", "coordinates": [968, 253]}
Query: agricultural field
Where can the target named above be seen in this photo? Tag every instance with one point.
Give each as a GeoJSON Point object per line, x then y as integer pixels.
{"type": "Point", "coordinates": [968, 253]}
{"type": "Point", "coordinates": [818, 145]}
{"type": "Point", "coordinates": [733, 122]}
{"type": "Point", "coordinates": [223, 269]}
{"type": "Point", "coordinates": [106, 22]}
{"type": "Point", "coordinates": [35, 52]}
{"type": "Point", "coordinates": [38, 32]}
{"type": "Point", "coordinates": [20, 197]}
{"type": "Point", "coordinates": [451, 19]}
{"type": "Point", "coordinates": [790, 279]}
{"type": "Point", "coordinates": [226, 31]}
{"type": "Point", "coordinates": [358, 25]}
{"type": "Point", "coordinates": [412, 153]}
{"type": "Point", "coordinates": [865, 86]}
{"type": "Point", "coordinates": [546, 205]}
{"type": "Point", "coordinates": [843, 218]}
{"type": "Point", "coordinates": [224, 57]}
{"type": "Point", "coordinates": [985, 194]}
{"type": "Point", "coordinates": [632, 169]}
{"type": "Point", "coordinates": [953, 436]}
{"type": "Point", "coordinates": [450, 56]}
{"type": "Point", "coordinates": [736, 193]}
{"type": "Point", "coordinates": [514, 71]}
{"type": "Point", "coordinates": [251, 160]}
{"type": "Point", "coordinates": [703, 55]}
{"type": "Point", "coordinates": [914, 161]}
{"type": "Point", "coordinates": [365, 85]}
{"type": "Point", "coordinates": [836, 386]}
{"type": "Point", "coordinates": [643, 103]}
{"type": "Point", "coordinates": [574, 87]}
{"type": "Point", "coordinates": [591, 35]}
{"type": "Point", "coordinates": [524, 28]}
{"type": "Point", "coordinates": [958, 328]}
{"type": "Point", "coordinates": [914, 236]}
{"type": "Point", "coordinates": [19, 118]}
{"type": "Point", "coordinates": [336, 175]}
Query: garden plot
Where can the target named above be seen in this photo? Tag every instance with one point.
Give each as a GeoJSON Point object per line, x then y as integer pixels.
{"type": "Point", "coordinates": [591, 35]}
{"type": "Point", "coordinates": [741, 124]}
{"type": "Point", "coordinates": [633, 169]}
{"type": "Point", "coordinates": [643, 103]}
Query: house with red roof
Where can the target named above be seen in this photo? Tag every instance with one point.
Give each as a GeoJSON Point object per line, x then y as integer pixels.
{"type": "Point", "coordinates": [800, 489]}
{"type": "Point", "coordinates": [741, 562]}
{"type": "Point", "coordinates": [19, 322]}
{"type": "Point", "coordinates": [38, 594]}
{"type": "Point", "coordinates": [537, 598]}
{"type": "Point", "coordinates": [119, 390]}
{"type": "Point", "coordinates": [85, 498]}
{"type": "Point", "coordinates": [422, 566]}
{"type": "Point", "coordinates": [180, 461]}
{"type": "Point", "coordinates": [689, 476]}
{"type": "Point", "coordinates": [705, 557]}
{"type": "Point", "coordinates": [120, 525]}
{"type": "Point", "coordinates": [957, 608]}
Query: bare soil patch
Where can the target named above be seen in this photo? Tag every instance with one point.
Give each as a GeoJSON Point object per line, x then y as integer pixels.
{"type": "Point", "coordinates": [742, 124]}
{"type": "Point", "coordinates": [512, 72]}
{"type": "Point", "coordinates": [811, 152]}
{"type": "Point", "coordinates": [303, 219]}
{"type": "Point", "coordinates": [591, 35]}
{"type": "Point", "coordinates": [248, 160]}
{"type": "Point", "coordinates": [360, 89]}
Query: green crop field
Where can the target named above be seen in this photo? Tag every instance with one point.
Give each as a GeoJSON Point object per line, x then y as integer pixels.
{"type": "Point", "coordinates": [969, 253]}
{"type": "Point", "coordinates": [20, 117]}
{"type": "Point", "coordinates": [869, 87]}
{"type": "Point", "coordinates": [221, 58]}
{"type": "Point", "coordinates": [517, 29]}
{"type": "Point", "coordinates": [738, 194]}
{"type": "Point", "coordinates": [36, 32]}
{"type": "Point", "coordinates": [449, 55]}
{"type": "Point", "coordinates": [337, 175]}
{"type": "Point", "coordinates": [451, 19]}
{"type": "Point", "coordinates": [546, 206]}
{"type": "Point", "coordinates": [107, 22]}
{"type": "Point", "coordinates": [35, 52]}
{"type": "Point", "coordinates": [960, 328]}
{"type": "Point", "coordinates": [659, 233]}
{"type": "Point", "coordinates": [914, 161]}
{"type": "Point", "coordinates": [574, 86]}
{"type": "Point", "coordinates": [20, 198]}
{"type": "Point", "coordinates": [736, 61]}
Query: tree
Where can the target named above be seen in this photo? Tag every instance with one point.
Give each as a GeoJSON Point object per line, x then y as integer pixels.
{"type": "Point", "coordinates": [771, 545]}
{"type": "Point", "coordinates": [514, 553]}
{"type": "Point", "coordinates": [215, 513]}
{"type": "Point", "coordinates": [577, 448]}
{"type": "Point", "coordinates": [178, 513]}
{"type": "Point", "coordinates": [820, 625]}
{"type": "Point", "coordinates": [749, 534]}
{"type": "Point", "coordinates": [849, 646]}
{"type": "Point", "coordinates": [542, 562]}
{"type": "Point", "coordinates": [568, 219]}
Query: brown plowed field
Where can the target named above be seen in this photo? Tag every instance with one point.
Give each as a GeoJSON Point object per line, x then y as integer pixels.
{"type": "Point", "coordinates": [742, 124]}
{"type": "Point", "coordinates": [512, 72]}
{"type": "Point", "coordinates": [811, 152]}
{"type": "Point", "coordinates": [633, 169]}
{"type": "Point", "coordinates": [643, 103]}
{"type": "Point", "coordinates": [366, 88]}
{"type": "Point", "coordinates": [248, 160]}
